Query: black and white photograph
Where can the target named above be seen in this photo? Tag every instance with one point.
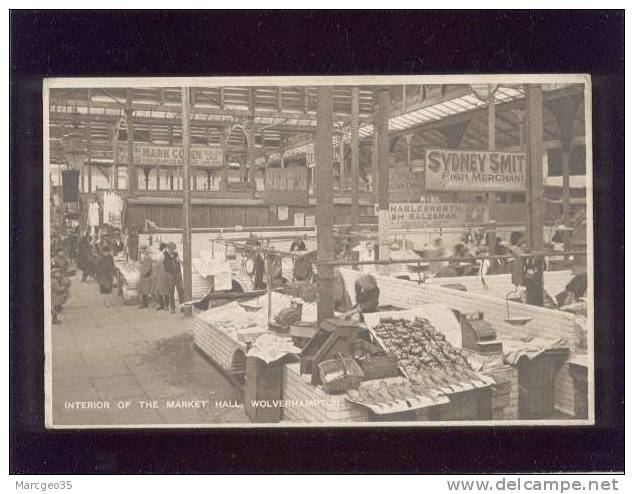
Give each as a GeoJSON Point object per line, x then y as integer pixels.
{"type": "Point", "coordinates": [318, 251]}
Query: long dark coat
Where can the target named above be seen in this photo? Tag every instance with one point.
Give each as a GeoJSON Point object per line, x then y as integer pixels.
{"type": "Point", "coordinates": [85, 259]}
{"type": "Point", "coordinates": [162, 281]}
{"type": "Point", "coordinates": [145, 282]}
{"type": "Point", "coordinates": [83, 251]}
{"type": "Point", "coordinates": [105, 273]}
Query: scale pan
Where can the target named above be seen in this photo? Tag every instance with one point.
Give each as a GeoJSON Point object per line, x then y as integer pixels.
{"type": "Point", "coordinates": [518, 321]}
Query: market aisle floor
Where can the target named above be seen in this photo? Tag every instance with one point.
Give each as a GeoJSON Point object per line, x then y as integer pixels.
{"type": "Point", "coordinates": [126, 354]}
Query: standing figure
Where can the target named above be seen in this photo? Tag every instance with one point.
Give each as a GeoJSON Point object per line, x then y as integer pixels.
{"type": "Point", "coordinates": [105, 266]}
{"type": "Point", "coordinates": [132, 245]}
{"type": "Point", "coordinates": [84, 258]}
{"type": "Point", "coordinates": [145, 282]}
{"type": "Point", "coordinates": [178, 277]}
{"type": "Point", "coordinates": [171, 265]}
{"type": "Point", "coordinates": [162, 281]}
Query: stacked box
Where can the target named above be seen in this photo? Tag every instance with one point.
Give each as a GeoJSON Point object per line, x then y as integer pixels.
{"type": "Point", "coordinates": [564, 391]}
{"type": "Point", "coordinates": [263, 382]}
{"type": "Point", "coordinates": [536, 380]}
{"type": "Point", "coordinates": [318, 406]}
{"type": "Point", "coordinates": [571, 391]}
{"type": "Point", "coordinates": [466, 405]}
{"type": "Point", "coordinates": [505, 393]}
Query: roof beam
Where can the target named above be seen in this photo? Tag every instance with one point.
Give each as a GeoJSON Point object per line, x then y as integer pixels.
{"type": "Point", "coordinates": [200, 110]}
{"type": "Point", "coordinates": [482, 112]}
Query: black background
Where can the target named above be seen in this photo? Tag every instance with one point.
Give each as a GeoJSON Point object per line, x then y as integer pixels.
{"type": "Point", "coordinates": [158, 43]}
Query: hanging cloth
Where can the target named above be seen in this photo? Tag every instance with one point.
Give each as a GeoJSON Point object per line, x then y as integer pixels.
{"type": "Point", "coordinates": [93, 215]}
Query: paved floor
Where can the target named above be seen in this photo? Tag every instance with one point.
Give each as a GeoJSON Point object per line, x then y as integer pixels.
{"type": "Point", "coordinates": [121, 354]}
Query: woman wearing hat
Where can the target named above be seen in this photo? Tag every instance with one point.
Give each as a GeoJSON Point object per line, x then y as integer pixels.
{"type": "Point", "coordinates": [162, 281]}
{"type": "Point", "coordinates": [105, 267]}
{"type": "Point", "coordinates": [145, 282]}
{"type": "Point", "coordinates": [172, 268]}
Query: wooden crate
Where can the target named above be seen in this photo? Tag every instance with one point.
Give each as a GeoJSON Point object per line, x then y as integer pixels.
{"type": "Point", "coordinates": [537, 384]}
{"type": "Point", "coordinates": [263, 383]}
{"type": "Point", "coordinates": [579, 376]}
{"type": "Point", "coordinates": [505, 393]}
{"type": "Point", "coordinates": [467, 405]}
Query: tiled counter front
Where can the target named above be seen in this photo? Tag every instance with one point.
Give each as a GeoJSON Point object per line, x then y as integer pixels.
{"type": "Point", "coordinates": [215, 344]}
{"type": "Point", "coordinates": [308, 403]}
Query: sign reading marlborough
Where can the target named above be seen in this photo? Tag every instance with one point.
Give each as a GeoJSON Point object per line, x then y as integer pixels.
{"type": "Point", "coordinates": [436, 212]}
{"type": "Point", "coordinates": [159, 155]}
{"type": "Point", "coordinates": [475, 171]}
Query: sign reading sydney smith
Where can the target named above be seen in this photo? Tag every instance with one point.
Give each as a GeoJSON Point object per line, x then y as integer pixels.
{"type": "Point", "coordinates": [475, 171]}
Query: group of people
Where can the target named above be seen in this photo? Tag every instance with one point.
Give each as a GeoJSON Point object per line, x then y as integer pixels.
{"type": "Point", "coordinates": [96, 256]}
{"type": "Point", "coordinates": [160, 278]}
{"type": "Point", "coordinates": [60, 282]}
{"type": "Point", "coordinates": [471, 256]}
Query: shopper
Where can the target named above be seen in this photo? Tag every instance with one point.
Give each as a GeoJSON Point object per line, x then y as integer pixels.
{"type": "Point", "coordinates": [171, 265]}
{"type": "Point", "coordinates": [178, 277]}
{"type": "Point", "coordinates": [132, 244]}
{"type": "Point", "coordinates": [145, 282]}
{"type": "Point", "coordinates": [105, 268]}
{"type": "Point", "coordinates": [84, 258]}
{"type": "Point", "coordinates": [162, 281]}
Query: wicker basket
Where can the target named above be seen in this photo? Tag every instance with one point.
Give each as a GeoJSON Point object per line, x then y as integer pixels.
{"type": "Point", "coordinates": [340, 374]}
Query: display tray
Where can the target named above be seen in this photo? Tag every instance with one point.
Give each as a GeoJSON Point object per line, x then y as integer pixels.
{"type": "Point", "coordinates": [434, 374]}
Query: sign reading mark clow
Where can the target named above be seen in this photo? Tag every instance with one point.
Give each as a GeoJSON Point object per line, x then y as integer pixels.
{"type": "Point", "coordinates": [153, 154]}
{"type": "Point", "coordinates": [475, 171]}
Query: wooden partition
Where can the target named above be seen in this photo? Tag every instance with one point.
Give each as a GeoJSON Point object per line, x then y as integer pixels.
{"type": "Point", "coordinates": [499, 285]}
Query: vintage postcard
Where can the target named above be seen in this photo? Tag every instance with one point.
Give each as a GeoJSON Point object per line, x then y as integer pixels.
{"type": "Point", "coordinates": [318, 251]}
